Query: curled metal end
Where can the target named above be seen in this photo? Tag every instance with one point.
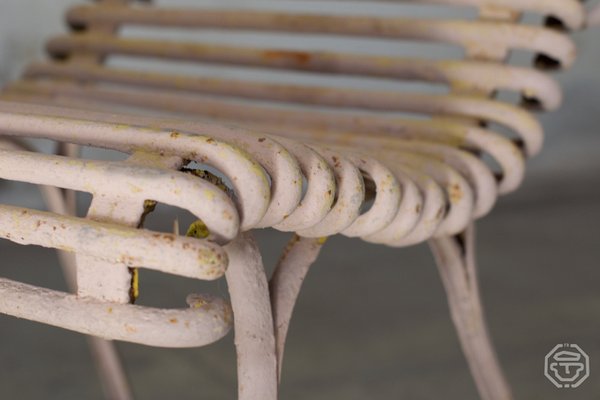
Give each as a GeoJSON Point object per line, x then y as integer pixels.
{"type": "Point", "coordinates": [207, 320]}
{"type": "Point", "coordinates": [531, 103]}
{"type": "Point", "coordinates": [546, 63]}
{"type": "Point", "coordinates": [555, 23]}
{"type": "Point", "coordinates": [77, 27]}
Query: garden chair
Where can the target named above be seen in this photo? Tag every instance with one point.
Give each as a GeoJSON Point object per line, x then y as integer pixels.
{"type": "Point", "coordinates": [241, 152]}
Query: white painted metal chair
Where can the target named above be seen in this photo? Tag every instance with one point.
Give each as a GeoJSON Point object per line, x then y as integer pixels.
{"type": "Point", "coordinates": [311, 158]}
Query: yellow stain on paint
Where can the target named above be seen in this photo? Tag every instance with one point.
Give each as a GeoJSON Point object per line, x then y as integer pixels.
{"type": "Point", "coordinates": [198, 230]}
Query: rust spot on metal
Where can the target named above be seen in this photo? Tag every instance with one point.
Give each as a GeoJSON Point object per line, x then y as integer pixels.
{"type": "Point", "coordinates": [440, 213]}
{"type": "Point", "coordinates": [169, 238]}
{"type": "Point", "coordinates": [455, 193]}
{"type": "Point", "coordinates": [299, 58]}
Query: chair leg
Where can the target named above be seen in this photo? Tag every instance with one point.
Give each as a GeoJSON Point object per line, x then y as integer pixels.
{"type": "Point", "coordinates": [104, 354]}
{"type": "Point", "coordinates": [110, 369]}
{"type": "Point", "coordinates": [455, 260]}
{"type": "Point", "coordinates": [285, 284]}
{"type": "Point", "coordinates": [253, 321]}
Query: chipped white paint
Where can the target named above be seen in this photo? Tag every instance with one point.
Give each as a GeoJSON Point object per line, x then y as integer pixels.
{"type": "Point", "coordinates": [286, 283]}
{"type": "Point", "coordinates": [253, 320]}
{"type": "Point", "coordinates": [165, 252]}
{"type": "Point", "coordinates": [205, 321]}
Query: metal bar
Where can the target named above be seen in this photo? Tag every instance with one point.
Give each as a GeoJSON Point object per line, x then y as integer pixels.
{"type": "Point", "coordinates": [515, 118]}
{"type": "Point", "coordinates": [466, 74]}
{"type": "Point", "coordinates": [206, 321]}
{"type": "Point", "coordinates": [487, 37]}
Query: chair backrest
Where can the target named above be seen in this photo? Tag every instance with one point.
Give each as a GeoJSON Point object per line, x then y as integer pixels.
{"type": "Point", "coordinates": [330, 78]}
{"type": "Point", "coordinates": [358, 91]}
{"type": "Point", "coordinates": [348, 91]}
{"type": "Point", "coordinates": [122, 54]}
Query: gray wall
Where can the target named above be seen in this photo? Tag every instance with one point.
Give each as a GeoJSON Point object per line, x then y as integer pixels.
{"type": "Point", "coordinates": [24, 24]}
